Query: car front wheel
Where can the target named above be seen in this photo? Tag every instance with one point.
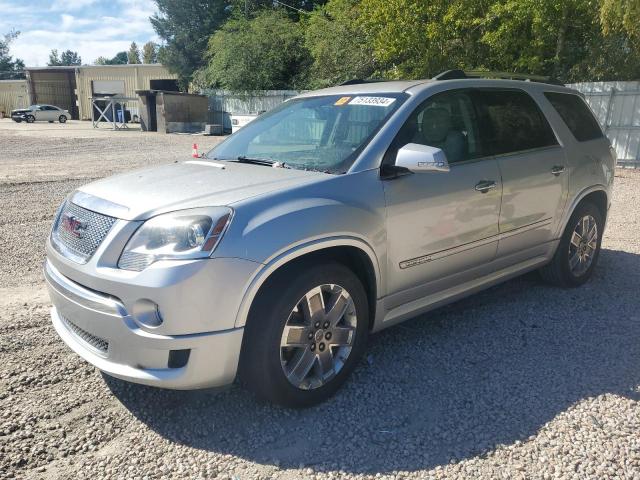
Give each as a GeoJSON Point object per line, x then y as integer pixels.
{"type": "Point", "coordinates": [62, 119]}
{"type": "Point", "coordinates": [30, 119]}
{"type": "Point", "coordinates": [305, 334]}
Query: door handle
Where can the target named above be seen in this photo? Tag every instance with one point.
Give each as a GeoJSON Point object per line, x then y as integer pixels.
{"type": "Point", "coordinates": [557, 170]}
{"type": "Point", "coordinates": [485, 185]}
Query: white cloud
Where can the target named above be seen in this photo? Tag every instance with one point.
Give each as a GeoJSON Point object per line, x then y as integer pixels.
{"type": "Point", "coordinates": [100, 29]}
{"type": "Point", "coordinates": [70, 5]}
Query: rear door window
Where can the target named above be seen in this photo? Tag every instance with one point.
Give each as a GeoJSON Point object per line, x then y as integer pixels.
{"type": "Point", "coordinates": [512, 121]}
{"type": "Point", "coordinates": [576, 114]}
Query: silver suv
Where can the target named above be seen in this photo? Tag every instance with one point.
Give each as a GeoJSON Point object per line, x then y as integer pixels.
{"type": "Point", "coordinates": [342, 212]}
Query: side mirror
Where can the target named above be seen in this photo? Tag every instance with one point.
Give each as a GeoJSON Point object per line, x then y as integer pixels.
{"type": "Point", "coordinates": [422, 158]}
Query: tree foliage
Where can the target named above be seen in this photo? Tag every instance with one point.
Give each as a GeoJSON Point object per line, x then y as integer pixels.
{"type": "Point", "coordinates": [9, 68]}
{"type": "Point", "coordinates": [150, 53]}
{"type": "Point", "coordinates": [314, 43]}
{"type": "Point", "coordinates": [185, 27]}
{"type": "Point", "coordinates": [560, 38]}
{"type": "Point", "coordinates": [340, 48]}
{"type": "Point", "coordinates": [262, 53]}
{"type": "Point", "coordinates": [121, 58]}
{"type": "Point", "coordinates": [133, 55]}
{"type": "Point", "coordinates": [67, 58]}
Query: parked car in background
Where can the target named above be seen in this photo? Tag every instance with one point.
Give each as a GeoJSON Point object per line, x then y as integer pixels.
{"type": "Point", "coordinates": [46, 113]}
{"type": "Point", "coordinates": [339, 213]}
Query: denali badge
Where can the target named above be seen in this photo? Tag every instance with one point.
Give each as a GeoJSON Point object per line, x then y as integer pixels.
{"type": "Point", "coordinates": [73, 225]}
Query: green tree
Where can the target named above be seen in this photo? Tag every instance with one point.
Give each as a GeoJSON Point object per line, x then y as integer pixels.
{"type": "Point", "coordinates": [621, 16]}
{"type": "Point", "coordinates": [150, 53]}
{"type": "Point", "coordinates": [133, 55]}
{"type": "Point", "coordinates": [185, 27]}
{"type": "Point", "coordinates": [266, 52]}
{"type": "Point", "coordinates": [121, 58]}
{"type": "Point", "coordinates": [340, 48]}
{"type": "Point", "coordinates": [68, 57]}
{"type": "Point", "coordinates": [9, 68]}
{"type": "Point", "coordinates": [559, 38]}
{"type": "Point", "coordinates": [406, 36]}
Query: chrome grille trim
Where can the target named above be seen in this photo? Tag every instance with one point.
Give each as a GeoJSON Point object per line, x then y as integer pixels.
{"type": "Point", "coordinates": [80, 248]}
{"type": "Point", "coordinates": [97, 344]}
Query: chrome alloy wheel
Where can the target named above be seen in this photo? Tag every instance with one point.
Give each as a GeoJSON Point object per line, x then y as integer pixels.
{"type": "Point", "coordinates": [583, 244]}
{"type": "Point", "coordinates": [318, 336]}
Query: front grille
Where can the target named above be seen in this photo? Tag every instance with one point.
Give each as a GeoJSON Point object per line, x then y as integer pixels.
{"type": "Point", "coordinates": [97, 343]}
{"type": "Point", "coordinates": [78, 232]}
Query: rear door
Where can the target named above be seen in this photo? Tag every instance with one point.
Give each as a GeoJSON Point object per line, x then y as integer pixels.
{"type": "Point", "coordinates": [533, 168]}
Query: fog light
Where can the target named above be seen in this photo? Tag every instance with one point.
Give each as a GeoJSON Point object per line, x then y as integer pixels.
{"type": "Point", "coordinates": [178, 358]}
{"type": "Point", "coordinates": [146, 313]}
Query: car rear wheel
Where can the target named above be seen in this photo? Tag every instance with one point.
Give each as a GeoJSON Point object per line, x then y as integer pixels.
{"type": "Point", "coordinates": [579, 248]}
{"type": "Point", "coordinates": [305, 334]}
{"type": "Point", "coordinates": [62, 119]}
{"type": "Point", "coordinates": [17, 120]}
{"type": "Point", "coordinates": [30, 118]}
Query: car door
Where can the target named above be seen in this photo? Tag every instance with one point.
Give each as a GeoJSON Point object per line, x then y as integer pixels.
{"type": "Point", "coordinates": [41, 113]}
{"type": "Point", "coordinates": [532, 165]}
{"type": "Point", "coordinates": [51, 113]}
{"type": "Point", "coordinates": [441, 227]}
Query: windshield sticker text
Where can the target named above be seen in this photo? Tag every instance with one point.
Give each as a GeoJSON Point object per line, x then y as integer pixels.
{"type": "Point", "coordinates": [373, 101]}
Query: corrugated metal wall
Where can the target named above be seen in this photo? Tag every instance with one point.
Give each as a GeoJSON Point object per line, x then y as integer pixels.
{"type": "Point", "coordinates": [13, 94]}
{"type": "Point", "coordinates": [135, 77]}
{"type": "Point", "coordinates": [53, 86]}
{"type": "Point", "coordinates": [617, 106]}
{"type": "Point", "coordinates": [223, 103]}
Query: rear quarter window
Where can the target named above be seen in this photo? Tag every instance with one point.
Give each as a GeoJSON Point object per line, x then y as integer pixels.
{"type": "Point", "coordinates": [576, 114]}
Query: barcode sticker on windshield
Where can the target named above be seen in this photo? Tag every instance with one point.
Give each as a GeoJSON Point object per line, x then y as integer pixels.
{"type": "Point", "coordinates": [373, 101]}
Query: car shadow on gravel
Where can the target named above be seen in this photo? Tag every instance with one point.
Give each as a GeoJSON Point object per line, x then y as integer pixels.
{"type": "Point", "coordinates": [456, 383]}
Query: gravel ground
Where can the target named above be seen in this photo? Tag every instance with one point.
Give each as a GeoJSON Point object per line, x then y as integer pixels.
{"type": "Point", "coordinates": [519, 381]}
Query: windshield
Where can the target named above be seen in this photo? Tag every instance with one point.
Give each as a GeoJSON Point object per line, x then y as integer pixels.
{"type": "Point", "coordinates": [316, 133]}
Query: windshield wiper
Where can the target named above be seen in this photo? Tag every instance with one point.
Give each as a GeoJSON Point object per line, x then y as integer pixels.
{"type": "Point", "coordinates": [261, 161]}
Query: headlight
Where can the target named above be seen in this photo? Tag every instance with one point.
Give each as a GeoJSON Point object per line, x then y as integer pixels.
{"type": "Point", "coordinates": [175, 236]}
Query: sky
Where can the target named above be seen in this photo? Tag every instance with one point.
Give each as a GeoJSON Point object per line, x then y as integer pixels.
{"type": "Point", "coordinates": [93, 28]}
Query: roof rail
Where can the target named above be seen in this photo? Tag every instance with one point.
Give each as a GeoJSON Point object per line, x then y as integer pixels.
{"type": "Point", "coordinates": [460, 74]}
{"type": "Point", "coordinates": [356, 81]}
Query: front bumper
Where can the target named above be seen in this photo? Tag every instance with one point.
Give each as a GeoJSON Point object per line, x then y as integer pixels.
{"type": "Point", "coordinates": [101, 330]}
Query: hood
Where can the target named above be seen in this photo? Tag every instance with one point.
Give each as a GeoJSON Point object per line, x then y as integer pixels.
{"type": "Point", "coordinates": [141, 194]}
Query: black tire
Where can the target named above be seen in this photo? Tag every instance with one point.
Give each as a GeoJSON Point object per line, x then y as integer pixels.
{"type": "Point", "coordinates": [62, 119]}
{"type": "Point", "coordinates": [558, 271]}
{"type": "Point", "coordinates": [50, 121]}
{"type": "Point", "coordinates": [30, 118]}
{"type": "Point", "coordinates": [260, 369]}
{"type": "Point", "coordinates": [17, 120]}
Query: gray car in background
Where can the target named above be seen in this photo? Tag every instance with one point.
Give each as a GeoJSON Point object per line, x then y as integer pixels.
{"type": "Point", "coordinates": [342, 212]}
{"type": "Point", "coordinates": [48, 113]}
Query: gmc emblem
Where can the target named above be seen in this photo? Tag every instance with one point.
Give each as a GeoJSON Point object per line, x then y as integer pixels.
{"type": "Point", "coordinates": [73, 225]}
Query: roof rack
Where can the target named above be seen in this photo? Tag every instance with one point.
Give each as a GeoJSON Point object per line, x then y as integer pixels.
{"type": "Point", "coordinates": [461, 74]}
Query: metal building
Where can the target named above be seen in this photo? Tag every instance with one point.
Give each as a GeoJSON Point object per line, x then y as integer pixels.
{"type": "Point", "coordinates": [120, 80]}
{"type": "Point", "coordinates": [53, 86]}
{"type": "Point", "coordinates": [13, 94]}
{"type": "Point", "coordinates": [73, 87]}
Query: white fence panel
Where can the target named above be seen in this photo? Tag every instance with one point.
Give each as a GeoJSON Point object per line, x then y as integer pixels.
{"type": "Point", "coordinates": [617, 107]}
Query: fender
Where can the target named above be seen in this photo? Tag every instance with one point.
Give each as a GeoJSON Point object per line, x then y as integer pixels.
{"type": "Point", "coordinates": [576, 200]}
{"type": "Point", "coordinates": [295, 252]}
